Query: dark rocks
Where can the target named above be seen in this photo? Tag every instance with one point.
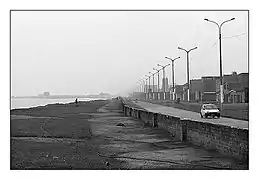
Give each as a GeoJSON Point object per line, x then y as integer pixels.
{"type": "Point", "coordinates": [120, 124]}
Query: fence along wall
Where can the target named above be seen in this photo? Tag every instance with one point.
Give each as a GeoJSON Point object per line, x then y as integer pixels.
{"type": "Point", "coordinates": [224, 139]}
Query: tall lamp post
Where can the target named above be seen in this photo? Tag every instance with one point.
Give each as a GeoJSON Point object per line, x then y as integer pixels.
{"type": "Point", "coordinates": [143, 85]}
{"type": "Point", "coordinates": [163, 67]}
{"type": "Point", "coordinates": [173, 73]}
{"type": "Point", "coordinates": [163, 81]}
{"type": "Point", "coordinates": [188, 74]}
{"type": "Point", "coordinates": [140, 85]}
{"type": "Point", "coordinates": [153, 87]}
{"type": "Point", "coordinates": [146, 89]}
{"type": "Point", "coordinates": [148, 85]}
{"type": "Point", "coordinates": [148, 82]}
{"type": "Point", "coordinates": [220, 58]}
{"type": "Point", "coordinates": [157, 78]}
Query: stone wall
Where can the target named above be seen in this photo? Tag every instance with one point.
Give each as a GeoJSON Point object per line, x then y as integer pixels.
{"type": "Point", "coordinates": [227, 140]}
{"type": "Point", "coordinates": [224, 139]}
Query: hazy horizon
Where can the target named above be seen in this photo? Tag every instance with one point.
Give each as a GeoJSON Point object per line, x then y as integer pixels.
{"type": "Point", "coordinates": [89, 52]}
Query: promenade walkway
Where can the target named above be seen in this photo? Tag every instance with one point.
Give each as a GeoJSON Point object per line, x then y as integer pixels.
{"type": "Point", "coordinates": [191, 115]}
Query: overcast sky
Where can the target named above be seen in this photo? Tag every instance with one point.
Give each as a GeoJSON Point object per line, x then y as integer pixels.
{"type": "Point", "coordinates": [82, 52]}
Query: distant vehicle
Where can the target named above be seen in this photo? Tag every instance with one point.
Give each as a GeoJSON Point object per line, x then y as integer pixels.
{"type": "Point", "coordinates": [209, 110]}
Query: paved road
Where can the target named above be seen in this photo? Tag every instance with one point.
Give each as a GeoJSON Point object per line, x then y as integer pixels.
{"type": "Point", "coordinates": [191, 115]}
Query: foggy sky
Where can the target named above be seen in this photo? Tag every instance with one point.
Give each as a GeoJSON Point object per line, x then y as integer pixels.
{"type": "Point", "coordinates": [82, 52]}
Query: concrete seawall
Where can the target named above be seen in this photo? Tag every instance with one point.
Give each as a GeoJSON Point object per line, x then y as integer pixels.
{"type": "Point", "coordinates": [230, 141]}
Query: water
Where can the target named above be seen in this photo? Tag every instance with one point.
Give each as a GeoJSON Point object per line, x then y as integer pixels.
{"type": "Point", "coordinates": [33, 102]}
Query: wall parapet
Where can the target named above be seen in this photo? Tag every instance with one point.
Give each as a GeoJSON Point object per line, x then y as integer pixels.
{"type": "Point", "coordinates": [230, 141]}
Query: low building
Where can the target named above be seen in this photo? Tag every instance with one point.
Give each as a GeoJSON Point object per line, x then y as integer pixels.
{"type": "Point", "coordinates": [235, 88]}
{"type": "Point", "coordinates": [195, 90]}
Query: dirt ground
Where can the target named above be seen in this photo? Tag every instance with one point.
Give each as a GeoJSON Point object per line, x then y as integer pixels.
{"type": "Point", "coordinates": [97, 135]}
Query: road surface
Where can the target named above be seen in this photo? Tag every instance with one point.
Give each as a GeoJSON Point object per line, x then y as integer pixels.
{"type": "Point", "coordinates": [191, 115]}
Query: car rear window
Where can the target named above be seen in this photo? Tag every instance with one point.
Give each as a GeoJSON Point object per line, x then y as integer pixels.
{"type": "Point", "coordinates": [210, 106]}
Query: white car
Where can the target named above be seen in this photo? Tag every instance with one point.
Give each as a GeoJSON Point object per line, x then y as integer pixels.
{"type": "Point", "coordinates": [209, 110]}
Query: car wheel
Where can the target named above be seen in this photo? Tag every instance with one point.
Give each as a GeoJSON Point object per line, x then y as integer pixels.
{"type": "Point", "coordinates": [212, 116]}
{"type": "Point", "coordinates": [218, 116]}
{"type": "Point", "coordinates": [206, 116]}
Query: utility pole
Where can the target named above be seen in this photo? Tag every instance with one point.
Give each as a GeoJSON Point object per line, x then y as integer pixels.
{"type": "Point", "coordinates": [173, 74]}
{"type": "Point", "coordinates": [220, 59]}
{"type": "Point", "coordinates": [188, 74]}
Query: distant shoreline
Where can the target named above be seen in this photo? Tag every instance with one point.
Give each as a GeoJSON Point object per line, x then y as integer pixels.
{"type": "Point", "coordinates": [61, 97]}
{"type": "Point", "coordinates": [57, 103]}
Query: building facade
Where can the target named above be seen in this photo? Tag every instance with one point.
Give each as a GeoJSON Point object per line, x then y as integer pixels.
{"type": "Point", "coordinates": [236, 88]}
{"type": "Point", "coordinates": [195, 90]}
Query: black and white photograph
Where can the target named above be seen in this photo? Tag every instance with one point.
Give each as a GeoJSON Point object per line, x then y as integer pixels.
{"type": "Point", "coordinates": [129, 89]}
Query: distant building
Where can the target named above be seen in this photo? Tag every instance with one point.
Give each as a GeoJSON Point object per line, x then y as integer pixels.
{"type": "Point", "coordinates": [235, 88]}
{"type": "Point", "coordinates": [46, 94]}
{"type": "Point", "coordinates": [195, 90]}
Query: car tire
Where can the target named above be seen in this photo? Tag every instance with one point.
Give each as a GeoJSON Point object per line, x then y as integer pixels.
{"type": "Point", "coordinates": [218, 116]}
{"type": "Point", "coordinates": [206, 116]}
{"type": "Point", "coordinates": [201, 115]}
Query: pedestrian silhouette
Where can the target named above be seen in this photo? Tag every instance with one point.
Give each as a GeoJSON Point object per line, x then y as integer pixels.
{"type": "Point", "coordinates": [76, 101]}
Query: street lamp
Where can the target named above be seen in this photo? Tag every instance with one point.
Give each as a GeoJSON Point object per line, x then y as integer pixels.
{"type": "Point", "coordinates": [153, 89]}
{"type": "Point", "coordinates": [153, 81]}
{"type": "Point", "coordinates": [173, 72]}
{"type": "Point", "coordinates": [143, 80]}
{"type": "Point", "coordinates": [148, 85]}
{"type": "Point", "coordinates": [148, 82]}
{"type": "Point", "coordinates": [140, 85]}
{"type": "Point", "coordinates": [163, 67]}
{"type": "Point", "coordinates": [157, 78]}
{"type": "Point", "coordinates": [188, 74]}
{"type": "Point", "coordinates": [137, 88]}
{"type": "Point", "coordinates": [220, 58]}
